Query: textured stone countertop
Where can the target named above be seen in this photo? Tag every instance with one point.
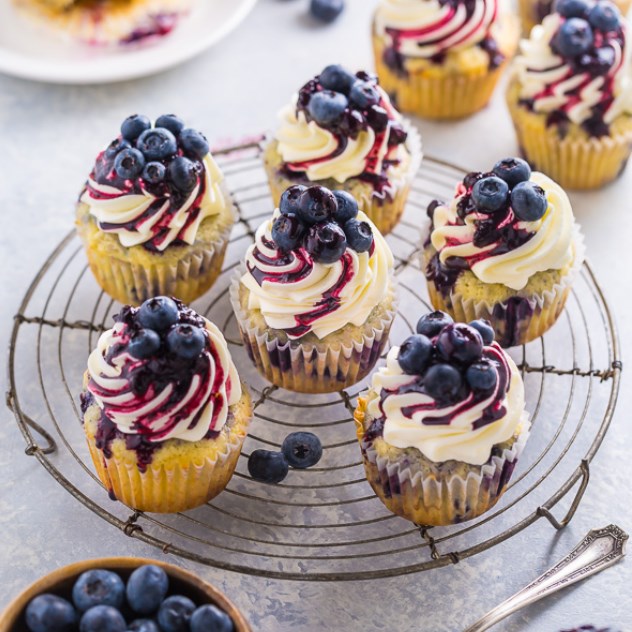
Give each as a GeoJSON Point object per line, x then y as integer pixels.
{"type": "Point", "coordinates": [49, 135]}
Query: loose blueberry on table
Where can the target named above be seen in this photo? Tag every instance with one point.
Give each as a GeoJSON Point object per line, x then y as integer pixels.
{"type": "Point", "coordinates": [299, 450]}
{"type": "Point", "coordinates": [102, 601]}
{"type": "Point", "coordinates": [326, 10]}
{"type": "Point", "coordinates": [320, 221]}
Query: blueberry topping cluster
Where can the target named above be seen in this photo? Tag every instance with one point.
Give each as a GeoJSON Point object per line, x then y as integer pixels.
{"type": "Point", "coordinates": [166, 158]}
{"type": "Point", "coordinates": [157, 328]}
{"type": "Point", "coordinates": [580, 38]}
{"type": "Point", "coordinates": [448, 357]}
{"type": "Point", "coordinates": [347, 104]}
{"type": "Point", "coordinates": [102, 601]}
{"type": "Point", "coordinates": [321, 221]}
{"type": "Point", "coordinates": [300, 450]}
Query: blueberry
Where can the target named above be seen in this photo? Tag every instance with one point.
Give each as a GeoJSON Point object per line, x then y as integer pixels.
{"type": "Point", "coordinates": [528, 201]}
{"type": "Point", "coordinates": [512, 171]}
{"type": "Point", "coordinates": [209, 618]}
{"type": "Point", "coordinates": [490, 194]}
{"type": "Point", "coordinates": [484, 328]}
{"type": "Point", "coordinates": [118, 144]}
{"type": "Point", "coordinates": [98, 587]}
{"type": "Point", "coordinates": [129, 163]}
{"type": "Point", "coordinates": [183, 173]}
{"type": "Point", "coordinates": [175, 613]}
{"type": "Point", "coordinates": [605, 16]}
{"type": "Point", "coordinates": [415, 354]}
{"type": "Point", "coordinates": [50, 613]}
{"type": "Point", "coordinates": [336, 78]}
{"type": "Point", "coordinates": [267, 466]}
{"type": "Point", "coordinates": [431, 324]}
{"type": "Point", "coordinates": [186, 341]}
{"type": "Point", "coordinates": [326, 242]}
{"type": "Point", "coordinates": [154, 173]}
{"type": "Point", "coordinates": [572, 8]}
{"type": "Point", "coordinates": [157, 144]}
{"type": "Point", "coordinates": [326, 10]}
{"type": "Point", "coordinates": [147, 586]}
{"type": "Point", "coordinates": [359, 235]}
{"type": "Point", "coordinates": [302, 449]}
{"type": "Point", "coordinates": [377, 117]}
{"type": "Point", "coordinates": [158, 313]}
{"type": "Point", "coordinates": [364, 94]}
{"type": "Point", "coordinates": [143, 625]}
{"type": "Point", "coordinates": [347, 207]}
{"type": "Point", "coordinates": [397, 134]}
{"type": "Point", "coordinates": [102, 619]}
{"type": "Point", "coordinates": [287, 232]}
{"type": "Point", "coordinates": [597, 62]}
{"type": "Point", "coordinates": [290, 199]}
{"type": "Point", "coordinates": [194, 143]}
{"type": "Point", "coordinates": [442, 382]}
{"type": "Point", "coordinates": [171, 122]}
{"type": "Point", "coordinates": [144, 344]}
{"type": "Point", "coordinates": [460, 343]}
{"type": "Point", "coordinates": [326, 107]}
{"type": "Point", "coordinates": [317, 204]}
{"type": "Point", "coordinates": [574, 37]}
{"type": "Point", "coordinates": [133, 126]}
{"type": "Point", "coordinates": [482, 376]}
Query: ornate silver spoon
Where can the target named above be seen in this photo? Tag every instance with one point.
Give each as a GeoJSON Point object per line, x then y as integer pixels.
{"type": "Point", "coordinates": [600, 549]}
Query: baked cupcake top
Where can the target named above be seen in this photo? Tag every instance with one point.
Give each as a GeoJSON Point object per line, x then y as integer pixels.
{"type": "Point", "coordinates": [449, 390]}
{"type": "Point", "coordinates": [317, 265]}
{"type": "Point", "coordinates": [505, 226]}
{"type": "Point", "coordinates": [431, 29]}
{"type": "Point", "coordinates": [342, 126]}
{"type": "Point", "coordinates": [163, 372]}
{"type": "Point", "coordinates": [155, 184]}
{"type": "Point", "coordinates": [573, 67]}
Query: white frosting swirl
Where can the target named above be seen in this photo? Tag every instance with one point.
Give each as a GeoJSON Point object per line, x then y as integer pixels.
{"type": "Point", "coordinates": [458, 440]}
{"type": "Point", "coordinates": [425, 28]}
{"type": "Point", "coordinates": [121, 212]}
{"type": "Point", "coordinates": [305, 146]}
{"type": "Point", "coordinates": [553, 85]}
{"type": "Point", "coordinates": [550, 247]}
{"type": "Point", "coordinates": [290, 292]}
{"type": "Point", "coordinates": [203, 407]}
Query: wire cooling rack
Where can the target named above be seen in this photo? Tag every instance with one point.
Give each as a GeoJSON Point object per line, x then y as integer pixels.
{"type": "Point", "coordinates": [324, 523]}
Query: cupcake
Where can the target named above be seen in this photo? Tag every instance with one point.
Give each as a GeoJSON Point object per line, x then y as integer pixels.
{"type": "Point", "coordinates": [506, 249]}
{"type": "Point", "coordinates": [316, 298]}
{"type": "Point", "coordinates": [443, 423]}
{"type": "Point", "coordinates": [342, 132]}
{"type": "Point", "coordinates": [532, 12]}
{"type": "Point", "coordinates": [442, 59]}
{"type": "Point", "coordinates": [570, 97]}
{"type": "Point", "coordinates": [155, 215]}
{"type": "Point", "coordinates": [108, 22]}
{"type": "Point", "coordinates": [164, 412]}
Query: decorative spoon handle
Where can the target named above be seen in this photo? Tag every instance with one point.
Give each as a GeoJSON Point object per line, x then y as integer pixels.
{"type": "Point", "coordinates": [600, 549]}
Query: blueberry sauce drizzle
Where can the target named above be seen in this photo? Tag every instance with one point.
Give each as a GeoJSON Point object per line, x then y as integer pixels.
{"type": "Point", "coordinates": [380, 117]}
{"type": "Point", "coordinates": [161, 24]}
{"type": "Point", "coordinates": [440, 35]}
{"type": "Point", "coordinates": [147, 378]}
{"type": "Point", "coordinates": [501, 228]}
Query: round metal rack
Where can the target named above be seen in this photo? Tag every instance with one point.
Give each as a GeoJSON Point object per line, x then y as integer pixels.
{"type": "Point", "coordinates": [324, 523]}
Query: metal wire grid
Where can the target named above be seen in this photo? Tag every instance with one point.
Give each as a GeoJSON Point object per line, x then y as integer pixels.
{"type": "Point", "coordinates": [323, 523]}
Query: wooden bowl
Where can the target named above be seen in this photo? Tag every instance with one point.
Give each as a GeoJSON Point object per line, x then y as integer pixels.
{"type": "Point", "coordinates": [60, 582]}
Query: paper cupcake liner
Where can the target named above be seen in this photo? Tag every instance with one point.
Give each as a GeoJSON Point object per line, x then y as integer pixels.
{"type": "Point", "coordinates": [307, 367]}
{"type": "Point", "coordinates": [430, 500]}
{"type": "Point", "coordinates": [384, 207]}
{"type": "Point", "coordinates": [162, 489]}
{"type": "Point", "coordinates": [519, 319]}
{"type": "Point", "coordinates": [574, 163]}
{"type": "Point", "coordinates": [186, 278]}
{"type": "Point", "coordinates": [442, 96]}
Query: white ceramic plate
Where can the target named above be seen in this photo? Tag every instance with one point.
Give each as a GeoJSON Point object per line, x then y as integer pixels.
{"type": "Point", "coordinates": [29, 51]}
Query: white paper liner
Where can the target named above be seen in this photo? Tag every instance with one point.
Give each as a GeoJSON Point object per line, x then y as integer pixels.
{"type": "Point", "coordinates": [545, 307]}
{"type": "Point", "coordinates": [308, 367]}
{"type": "Point", "coordinates": [453, 499]}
